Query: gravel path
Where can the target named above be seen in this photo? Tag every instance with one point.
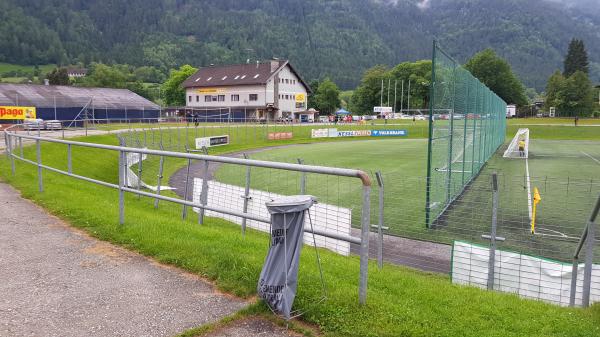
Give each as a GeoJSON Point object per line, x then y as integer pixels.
{"type": "Point", "coordinates": [253, 327]}
{"type": "Point", "coordinates": [57, 281]}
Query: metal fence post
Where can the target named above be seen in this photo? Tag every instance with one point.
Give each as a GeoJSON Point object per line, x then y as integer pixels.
{"type": "Point", "coordinates": [69, 159]}
{"type": "Point", "coordinates": [122, 167]}
{"type": "Point", "coordinates": [302, 178]}
{"type": "Point", "coordinates": [589, 260]}
{"type": "Point", "coordinates": [380, 222]}
{"type": "Point", "coordinates": [39, 163]}
{"type": "Point", "coordinates": [9, 151]}
{"type": "Point", "coordinates": [159, 177]}
{"type": "Point", "coordinates": [246, 196]}
{"type": "Point", "coordinates": [187, 180]}
{"type": "Point", "coordinates": [364, 244]}
{"type": "Point", "coordinates": [139, 179]}
{"type": "Point", "coordinates": [21, 146]}
{"type": "Point", "coordinates": [204, 193]}
{"type": "Point", "coordinates": [574, 272]}
{"type": "Point", "coordinates": [492, 237]}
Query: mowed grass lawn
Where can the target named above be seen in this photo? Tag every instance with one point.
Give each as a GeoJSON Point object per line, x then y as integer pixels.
{"type": "Point", "coordinates": [400, 302]}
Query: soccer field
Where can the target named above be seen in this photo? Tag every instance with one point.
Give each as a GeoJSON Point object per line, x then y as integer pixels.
{"type": "Point", "coordinates": [567, 174]}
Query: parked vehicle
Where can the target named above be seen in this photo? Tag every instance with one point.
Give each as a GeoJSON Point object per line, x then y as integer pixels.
{"type": "Point", "coordinates": [53, 125]}
{"type": "Point", "coordinates": [33, 124]}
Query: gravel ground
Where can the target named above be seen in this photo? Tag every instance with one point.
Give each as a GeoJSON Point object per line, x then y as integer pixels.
{"type": "Point", "coordinates": [252, 327]}
{"type": "Point", "coordinates": [57, 281]}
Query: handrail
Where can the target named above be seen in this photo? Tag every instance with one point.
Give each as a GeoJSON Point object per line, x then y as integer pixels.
{"type": "Point", "coordinates": [363, 176]}
{"type": "Point", "coordinates": [363, 240]}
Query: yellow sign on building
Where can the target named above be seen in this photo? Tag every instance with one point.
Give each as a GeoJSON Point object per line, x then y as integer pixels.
{"type": "Point", "coordinates": [17, 112]}
{"type": "Point", "coordinates": [211, 90]}
{"type": "Point", "coordinates": [300, 97]}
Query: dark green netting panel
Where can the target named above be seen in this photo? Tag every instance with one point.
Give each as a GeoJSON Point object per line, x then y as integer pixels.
{"type": "Point", "coordinates": [467, 124]}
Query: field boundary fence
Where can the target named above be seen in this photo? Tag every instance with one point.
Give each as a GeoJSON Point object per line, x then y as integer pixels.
{"type": "Point", "coordinates": [467, 124]}
{"type": "Point", "coordinates": [128, 168]}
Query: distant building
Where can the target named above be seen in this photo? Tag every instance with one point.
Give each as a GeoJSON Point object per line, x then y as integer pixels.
{"type": "Point", "coordinates": [264, 91]}
{"type": "Point", "coordinates": [76, 72]}
{"type": "Point", "coordinates": [68, 102]}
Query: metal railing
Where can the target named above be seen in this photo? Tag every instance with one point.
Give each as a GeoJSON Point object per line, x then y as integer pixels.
{"type": "Point", "coordinates": [587, 237]}
{"type": "Point", "coordinates": [14, 141]}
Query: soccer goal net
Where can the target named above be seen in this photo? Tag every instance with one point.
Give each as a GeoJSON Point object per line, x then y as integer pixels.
{"type": "Point", "coordinates": [519, 146]}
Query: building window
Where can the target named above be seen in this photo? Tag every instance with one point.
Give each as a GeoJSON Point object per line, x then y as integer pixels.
{"type": "Point", "coordinates": [189, 98]}
{"type": "Point", "coordinates": [207, 98]}
{"type": "Point", "coordinates": [253, 97]}
{"type": "Point", "coordinates": [221, 98]}
{"type": "Point", "coordinates": [235, 98]}
{"type": "Point", "coordinates": [287, 81]}
{"type": "Point", "coordinates": [213, 98]}
{"type": "Point", "coordinates": [197, 98]}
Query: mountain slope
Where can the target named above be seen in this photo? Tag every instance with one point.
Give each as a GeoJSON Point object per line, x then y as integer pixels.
{"type": "Point", "coordinates": [336, 38]}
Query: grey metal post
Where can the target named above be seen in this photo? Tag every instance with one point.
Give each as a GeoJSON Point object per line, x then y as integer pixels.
{"type": "Point", "coordinates": [574, 272]}
{"type": "Point", "coordinates": [69, 159]}
{"type": "Point", "coordinates": [139, 179]}
{"type": "Point", "coordinates": [589, 260]}
{"type": "Point", "coordinates": [159, 177]}
{"type": "Point", "coordinates": [39, 163]}
{"type": "Point", "coordinates": [21, 146]}
{"type": "Point", "coordinates": [364, 244]}
{"type": "Point", "coordinates": [380, 223]}
{"type": "Point", "coordinates": [302, 178]}
{"type": "Point", "coordinates": [9, 152]}
{"type": "Point", "coordinates": [6, 143]}
{"type": "Point", "coordinates": [582, 240]}
{"type": "Point", "coordinates": [187, 180]}
{"type": "Point", "coordinates": [246, 196]}
{"type": "Point", "coordinates": [492, 258]}
{"type": "Point", "coordinates": [122, 165]}
{"type": "Point", "coordinates": [204, 192]}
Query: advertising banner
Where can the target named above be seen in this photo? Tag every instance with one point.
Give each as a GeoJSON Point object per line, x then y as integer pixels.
{"type": "Point", "coordinates": [17, 112]}
{"type": "Point", "coordinates": [211, 141]}
{"type": "Point", "coordinates": [389, 133]}
{"type": "Point", "coordinates": [319, 133]}
{"type": "Point", "coordinates": [300, 97]}
{"type": "Point", "coordinates": [354, 133]}
{"type": "Point", "coordinates": [280, 135]}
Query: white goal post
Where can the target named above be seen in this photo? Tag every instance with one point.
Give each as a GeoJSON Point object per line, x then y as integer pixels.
{"type": "Point", "coordinates": [513, 148]}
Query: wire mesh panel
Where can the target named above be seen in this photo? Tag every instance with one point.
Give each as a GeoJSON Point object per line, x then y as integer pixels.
{"type": "Point", "coordinates": [467, 124]}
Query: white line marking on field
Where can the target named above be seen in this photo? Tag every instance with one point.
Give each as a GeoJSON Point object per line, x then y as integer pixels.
{"type": "Point", "coordinates": [594, 159]}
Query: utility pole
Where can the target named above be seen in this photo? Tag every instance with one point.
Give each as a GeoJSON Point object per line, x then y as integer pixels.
{"type": "Point", "coordinates": [402, 97]}
{"type": "Point", "coordinates": [395, 87]}
{"type": "Point", "coordinates": [408, 94]}
{"type": "Point", "coordinates": [389, 85]}
{"type": "Point", "coordinates": [381, 99]}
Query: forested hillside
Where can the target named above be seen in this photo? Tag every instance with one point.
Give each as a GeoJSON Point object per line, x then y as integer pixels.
{"type": "Point", "coordinates": [336, 38]}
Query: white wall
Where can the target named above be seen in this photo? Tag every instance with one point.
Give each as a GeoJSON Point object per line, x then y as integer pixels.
{"type": "Point", "coordinates": [527, 276]}
{"type": "Point", "coordinates": [293, 87]}
{"type": "Point", "coordinates": [324, 217]}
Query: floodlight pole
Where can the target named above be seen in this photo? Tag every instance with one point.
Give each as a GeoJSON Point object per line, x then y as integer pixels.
{"type": "Point", "coordinates": [395, 89]}
{"type": "Point", "coordinates": [381, 98]}
{"type": "Point", "coordinates": [402, 97]}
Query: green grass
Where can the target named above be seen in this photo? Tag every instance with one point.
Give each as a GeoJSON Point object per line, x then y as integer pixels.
{"type": "Point", "coordinates": [6, 67]}
{"type": "Point", "coordinates": [401, 301]}
{"type": "Point", "coordinates": [565, 121]}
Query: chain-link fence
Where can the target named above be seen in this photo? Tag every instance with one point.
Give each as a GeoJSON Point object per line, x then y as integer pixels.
{"type": "Point", "coordinates": [467, 125]}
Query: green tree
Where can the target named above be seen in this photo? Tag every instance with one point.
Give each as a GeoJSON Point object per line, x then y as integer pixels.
{"type": "Point", "coordinates": [327, 97]}
{"type": "Point", "coordinates": [497, 75]}
{"type": "Point", "coordinates": [572, 96]}
{"type": "Point", "coordinates": [576, 59]}
{"type": "Point", "coordinates": [368, 93]}
{"type": "Point", "coordinates": [555, 90]}
{"type": "Point", "coordinates": [578, 95]}
{"type": "Point", "coordinates": [172, 91]}
{"type": "Point", "coordinates": [314, 86]}
{"type": "Point", "coordinates": [58, 76]}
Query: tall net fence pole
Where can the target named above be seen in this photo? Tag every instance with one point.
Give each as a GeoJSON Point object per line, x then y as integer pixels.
{"type": "Point", "coordinates": [467, 124]}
